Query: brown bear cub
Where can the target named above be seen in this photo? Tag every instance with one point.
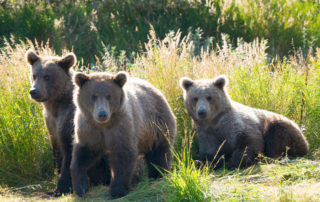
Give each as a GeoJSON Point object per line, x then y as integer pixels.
{"type": "Point", "coordinates": [51, 84]}
{"type": "Point", "coordinates": [238, 133]}
{"type": "Point", "coordinates": [123, 117]}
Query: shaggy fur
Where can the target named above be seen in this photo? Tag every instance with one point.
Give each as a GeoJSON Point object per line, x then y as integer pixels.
{"type": "Point", "coordinates": [235, 132]}
{"type": "Point", "coordinates": [51, 84]}
{"type": "Point", "coordinates": [123, 117]}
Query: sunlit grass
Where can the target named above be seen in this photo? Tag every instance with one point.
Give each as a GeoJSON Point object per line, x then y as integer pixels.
{"type": "Point", "coordinates": [186, 182]}
{"type": "Point", "coordinates": [284, 181]}
{"type": "Point", "coordinates": [25, 154]}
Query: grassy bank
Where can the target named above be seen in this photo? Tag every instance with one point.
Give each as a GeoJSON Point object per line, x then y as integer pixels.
{"type": "Point", "coordinates": [285, 181]}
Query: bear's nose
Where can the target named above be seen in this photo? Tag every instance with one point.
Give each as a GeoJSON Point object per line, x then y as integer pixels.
{"type": "Point", "coordinates": [102, 114]}
{"type": "Point", "coordinates": [34, 93]}
{"type": "Point", "coordinates": [202, 113]}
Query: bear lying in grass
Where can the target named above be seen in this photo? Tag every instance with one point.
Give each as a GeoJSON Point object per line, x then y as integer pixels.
{"type": "Point", "coordinates": [51, 84]}
{"type": "Point", "coordinates": [123, 117]}
{"type": "Point", "coordinates": [234, 131]}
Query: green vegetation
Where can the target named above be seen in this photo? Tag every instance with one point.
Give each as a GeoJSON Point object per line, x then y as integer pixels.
{"type": "Point", "coordinates": [290, 85]}
{"type": "Point", "coordinates": [24, 147]}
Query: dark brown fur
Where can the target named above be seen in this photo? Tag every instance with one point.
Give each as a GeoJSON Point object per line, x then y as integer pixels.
{"type": "Point", "coordinates": [52, 86]}
{"type": "Point", "coordinates": [123, 117]}
{"type": "Point", "coordinates": [235, 132]}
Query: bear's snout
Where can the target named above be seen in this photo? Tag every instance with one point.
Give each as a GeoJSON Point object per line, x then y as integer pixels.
{"type": "Point", "coordinates": [102, 115]}
{"type": "Point", "coordinates": [34, 93]}
{"type": "Point", "coordinates": [202, 113]}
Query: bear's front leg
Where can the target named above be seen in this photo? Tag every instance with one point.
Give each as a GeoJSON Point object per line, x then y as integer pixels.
{"type": "Point", "coordinates": [212, 151]}
{"type": "Point", "coordinates": [122, 164]}
{"type": "Point", "coordinates": [64, 140]}
{"type": "Point", "coordinates": [248, 148]}
{"type": "Point", "coordinates": [82, 158]}
{"type": "Point", "coordinates": [57, 158]}
{"type": "Point", "coordinates": [64, 181]}
{"type": "Point", "coordinates": [215, 160]}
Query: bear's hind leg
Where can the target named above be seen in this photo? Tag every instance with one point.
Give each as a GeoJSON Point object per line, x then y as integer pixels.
{"type": "Point", "coordinates": [275, 142]}
{"type": "Point", "coordinates": [139, 170]}
{"type": "Point", "coordinates": [160, 157]}
{"type": "Point", "coordinates": [283, 138]}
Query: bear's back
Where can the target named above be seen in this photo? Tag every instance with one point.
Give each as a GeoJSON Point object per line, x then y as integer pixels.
{"type": "Point", "coordinates": [260, 117]}
{"type": "Point", "coordinates": [149, 112]}
{"type": "Point", "coordinates": [143, 95]}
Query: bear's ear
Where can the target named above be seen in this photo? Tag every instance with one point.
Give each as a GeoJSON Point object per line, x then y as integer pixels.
{"type": "Point", "coordinates": [31, 57]}
{"type": "Point", "coordinates": [186, 83]}
{"type": "Point", "coordinates": [67, 61]}
{"type": "Point", "coordinates": [121, 78]}
{"type": "Point", "coordinates": [80, 79]}
{"type": "Point", "coordinates": [221, 81]}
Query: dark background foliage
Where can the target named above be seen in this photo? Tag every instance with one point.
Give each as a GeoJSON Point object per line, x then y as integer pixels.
{"type": "Point", "coordinates": [123, 25]}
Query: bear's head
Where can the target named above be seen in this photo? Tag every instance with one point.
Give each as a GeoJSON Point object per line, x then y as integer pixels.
{"type": "Point", "coordinates": [204, 99]}
{"type": "Point", "coordinates": [99, 95]}
{"type": "Point", "coordinates": [50, 76]}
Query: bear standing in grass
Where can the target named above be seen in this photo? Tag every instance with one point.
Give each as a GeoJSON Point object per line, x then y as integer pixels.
{"type": "Point", "coordinates": [51, 84]}
{"type": "Point", "coordinates": [235, 131]}
{"type": "Point", "coordinates": [123, 117]}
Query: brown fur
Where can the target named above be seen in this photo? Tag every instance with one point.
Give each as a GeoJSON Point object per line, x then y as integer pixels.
{"type": "Point", "coordinates": [238, 133]}
{"type": "Point", "coordinates": [123, 117]}
{"type": "Point", "coordinates": [51, 84]}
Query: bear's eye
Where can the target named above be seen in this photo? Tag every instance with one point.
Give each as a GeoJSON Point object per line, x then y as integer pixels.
{"type": "Point", "coordinates": [94, 97]}
{"type": "Point", "coordinates": [195, 99]}
{"type": "Point", "coordinates": [46, 78]}
{"type": "Point", "coordinates": [108, 97]}
{"type": "Point", "coordinates": [34, 77]}
{"type": "Point", "coordinates": [209, 98]}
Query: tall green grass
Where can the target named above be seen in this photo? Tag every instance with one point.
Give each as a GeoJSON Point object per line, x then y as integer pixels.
{"type": "Point", "coordinates": [25, 154]}
{"type": "Point", "coordinates": [186, 182]}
